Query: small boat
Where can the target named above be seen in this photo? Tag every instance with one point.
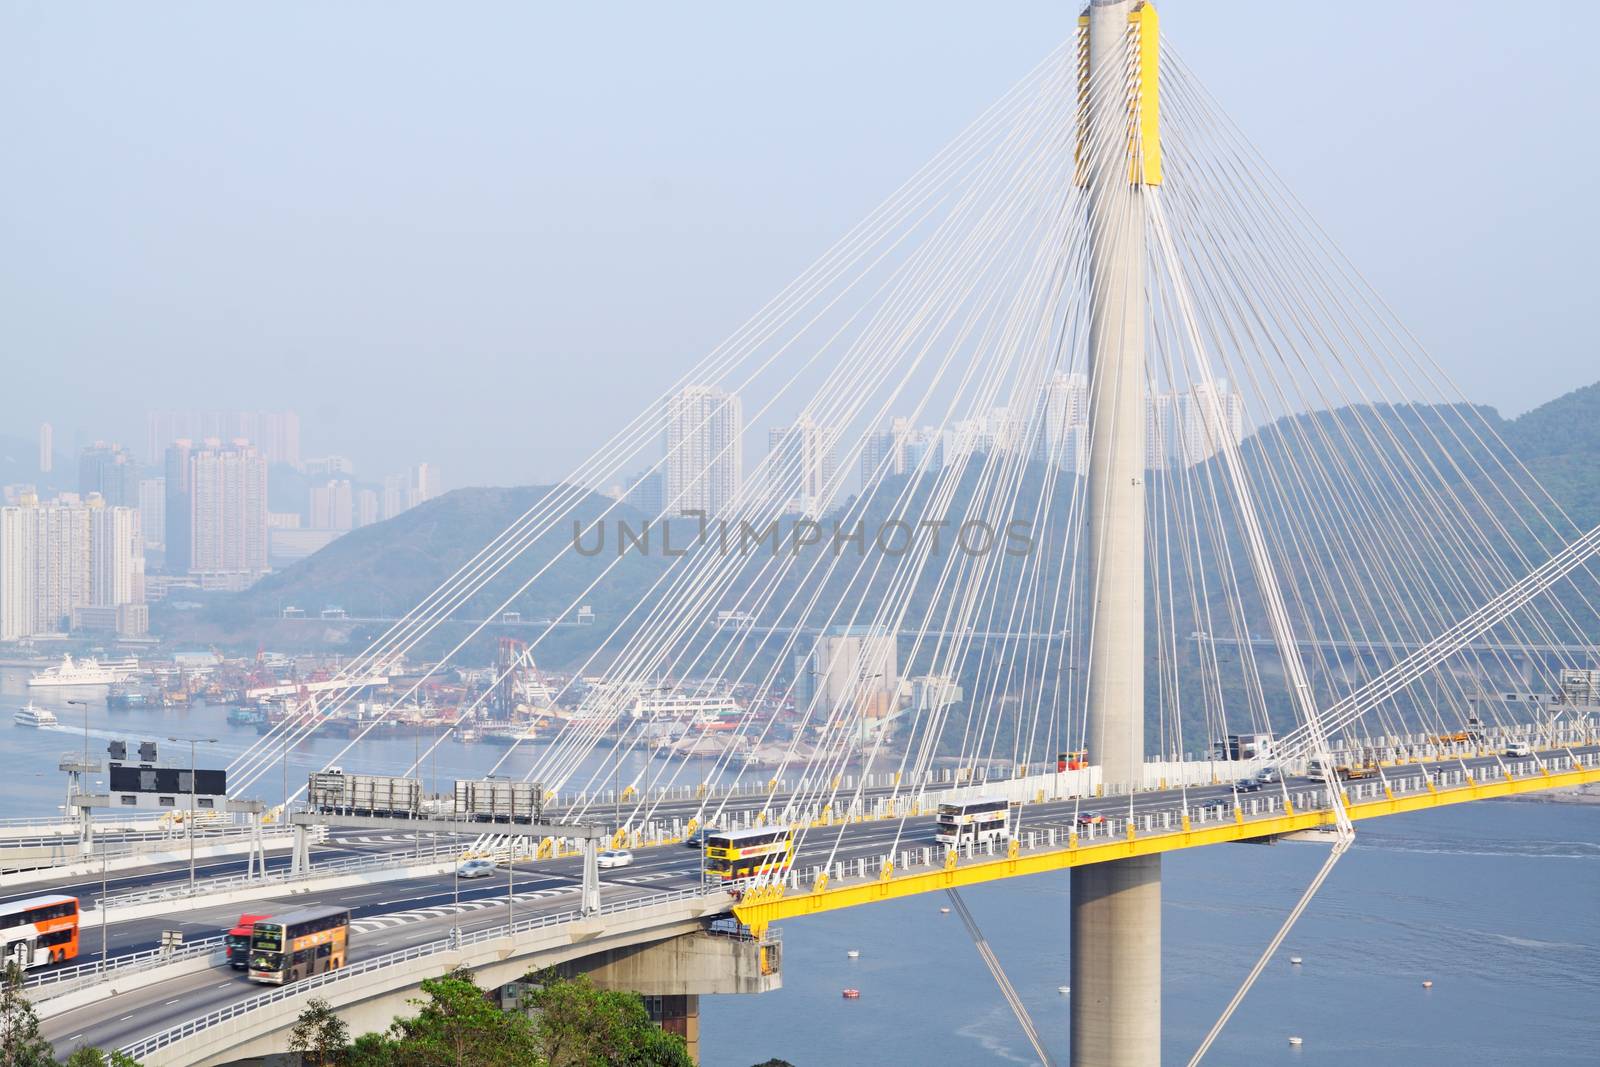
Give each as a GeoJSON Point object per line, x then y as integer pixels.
{"type": "Point", "coordinates": [852, 994]}
{"type": "Point", "coordinates": [35, 716]}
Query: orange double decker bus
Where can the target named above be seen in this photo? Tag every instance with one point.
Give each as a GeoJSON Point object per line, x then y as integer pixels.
{"type": "Point", "coordinates": [300, 944]}
{"type": "Point", "coordinates": [39, 931]}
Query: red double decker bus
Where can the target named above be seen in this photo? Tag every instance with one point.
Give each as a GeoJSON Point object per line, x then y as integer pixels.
{"type": "Point", "coordinates": [39, 931]}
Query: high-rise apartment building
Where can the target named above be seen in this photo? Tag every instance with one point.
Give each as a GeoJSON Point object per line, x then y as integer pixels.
{"type": "Point", "coordinates": [1060, 433]}
{"type": "Point", "coordinates": [153, 512]}
{"type": "Point", "coordinates": [279, 437]}
{"type": "Point", "coordinates": [111, 471]}
{"type": "Point", "coordinates": [61, 560]}
{"type": "Point", "coordinates": [47, 448]}
{"type": "Point", "coordinates": [704, 463]}
{"type": "Point", "coordinates": [62, 571]}
{"type": "Point", "coordinates": [178, 533]}
{"type": "Point", "coordinates": [394, 495]}
{"type": "Point", "coordinates": [901, 449]}
{"type": "Point", "coordinates": [424, 485]}
{"type": "Point", "coordinates": [800, 467]}
{"type": "Point", "coordinates": [276, 433]}
{"type": "Point", "coordinates": [116, 554]}
{"type": "Point", "coordinates": [1163, 427]}
{"type": "Point", "coordinates": [1183, 428]}
{"type": "Point", "coordinates": [330, 466]}
{"type": "Point", "coordinates": [19, 535]}
{"type": "Point", "coordinates": [366, 507]}
{"type": "Point", "coordinates": [644, 493]}
{"type": "Point", "coordinates": [228, 512]}
{"type": "Point", "coordinates": [1214, 416]}
{"type": "Point", "coordinates": [333, 506]}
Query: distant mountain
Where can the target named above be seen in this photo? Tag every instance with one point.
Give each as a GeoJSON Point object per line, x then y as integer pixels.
{"type": "Point", "coordinates": [388, 568]}
{"type": "Point", "coordinates": [1560, 443]}
{"type": "Point", "coordinates": [385, 570]}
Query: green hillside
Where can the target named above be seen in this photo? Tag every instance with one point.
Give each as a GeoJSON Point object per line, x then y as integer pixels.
{"type": "Point", "coordinates": [1560, 443]}
{"type": "Point", "coordinates": [386, 569]}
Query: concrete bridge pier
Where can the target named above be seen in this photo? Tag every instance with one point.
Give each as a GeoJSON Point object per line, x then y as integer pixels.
{"type": "Point", "coordinates": [673, 975]}
{"type": "Point", "coordinates": [1116, 962]}
{"type": "Point", "coordinates": [1116, 907]}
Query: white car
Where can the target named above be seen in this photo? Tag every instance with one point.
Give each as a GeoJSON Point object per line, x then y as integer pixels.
{"type": "Point", "coordinates": [1519, 748]}
{"type": "Point", "coordinates": [475, 868]}
{"type": "Point", "coordinates": [615, 857]}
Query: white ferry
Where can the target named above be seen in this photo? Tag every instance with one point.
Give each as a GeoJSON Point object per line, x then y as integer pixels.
{"type": "Point", "coordinates": [87, 672]}
{"type": "Point", "coordinates": [34, 716]}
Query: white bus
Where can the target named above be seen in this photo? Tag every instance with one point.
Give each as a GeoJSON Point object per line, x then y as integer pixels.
{"type": "Point", "coordinates": [972, 822]}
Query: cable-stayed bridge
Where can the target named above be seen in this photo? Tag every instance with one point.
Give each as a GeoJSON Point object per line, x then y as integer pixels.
{"type": "Point", "coordinates": [1166, 406]}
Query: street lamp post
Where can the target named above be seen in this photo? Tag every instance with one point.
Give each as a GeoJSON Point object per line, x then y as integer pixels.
{"type": "Point", "coordinates": [194, 743]}
{"type": "Point", "coordinates": [84, 704]}
{"type": "Point", "coordinates": [104, 915]}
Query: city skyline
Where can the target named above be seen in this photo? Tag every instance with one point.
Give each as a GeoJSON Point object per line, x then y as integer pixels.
{"type": "Point", "coordinates": [760, 210]}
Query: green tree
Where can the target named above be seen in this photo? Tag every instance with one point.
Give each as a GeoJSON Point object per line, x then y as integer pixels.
{"type": "Point", "coordinates": [89, 1056]}
{"type": "Point", "coordinates": [371, 1050]}
{"type": "Point", "coordinates": [578, 1025]}
{"type": "Point", "coordinates": [457, 1026]}
{"type": "Point", "coordinates": [20, 1042]}
{"type": "Point", "coordinates": [319, 1035]}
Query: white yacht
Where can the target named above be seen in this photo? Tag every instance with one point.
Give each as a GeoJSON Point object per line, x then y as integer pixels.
{"type": "Point", "coordinates": [34, 716]}
{"type": "Point", "coordinates": [86, 672]}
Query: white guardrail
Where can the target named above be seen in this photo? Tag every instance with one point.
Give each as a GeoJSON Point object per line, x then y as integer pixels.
{"type": "Point", "coordinates": [156, 1042]}
{"type": "Point", "coordinates": [285, 877]}
{"type": "Point", "coordinates": [67, 979]}
{"type": "Point", "coordinates": [1400, 780]}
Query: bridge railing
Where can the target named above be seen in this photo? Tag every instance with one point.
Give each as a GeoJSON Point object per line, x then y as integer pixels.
{"type": "Point", "coordinates": [224, 883]}
{"type": "Point", "coordinates": [1399, 781]}
{"type": "Point", "coordinates": [148, 1046]}
{"type": "Point", "coordinates": [67, 979]}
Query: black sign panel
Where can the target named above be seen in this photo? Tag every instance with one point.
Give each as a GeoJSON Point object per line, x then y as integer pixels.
{"type": "Point", "coordinates": [170, 780]}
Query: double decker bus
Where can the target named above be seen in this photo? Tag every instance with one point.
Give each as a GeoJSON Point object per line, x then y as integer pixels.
{"type": "Point", "coordinates": [39, 931]}
{"type": "Point", "coordinates": [238, 941]}
{"type": "Point", "coordinates": [972, 822]}
{"type": "Point", "coordinates": [300, 944]}
{"type": "Point", "coordinates": [734, 854]}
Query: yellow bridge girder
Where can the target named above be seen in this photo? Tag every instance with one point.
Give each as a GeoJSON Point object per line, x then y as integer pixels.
{"type": "Point", "coordinates": [773, 904]}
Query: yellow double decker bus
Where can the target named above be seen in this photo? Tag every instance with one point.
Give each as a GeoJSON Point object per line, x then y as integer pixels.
{"type": "Point", "coordinates": [732, 855]}
{"type": "Point", "coordinates": [300, 944]}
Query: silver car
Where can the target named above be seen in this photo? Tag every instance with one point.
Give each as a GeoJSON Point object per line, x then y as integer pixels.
{"type": "Point", "coordinates": [475, 868]}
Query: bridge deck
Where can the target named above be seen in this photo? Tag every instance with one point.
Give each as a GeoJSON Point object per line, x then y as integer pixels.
{"type": "Point", "coordinates": [1419, 793]}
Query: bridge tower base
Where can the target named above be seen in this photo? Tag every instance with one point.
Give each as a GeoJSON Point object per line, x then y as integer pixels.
{"type": "Point", "coordinates": [1116, 963]}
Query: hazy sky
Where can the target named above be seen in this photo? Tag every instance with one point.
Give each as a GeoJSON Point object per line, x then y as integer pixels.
{"type": "Point", "coordinates": [425, 226]}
